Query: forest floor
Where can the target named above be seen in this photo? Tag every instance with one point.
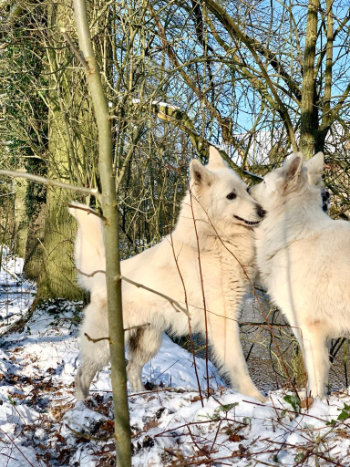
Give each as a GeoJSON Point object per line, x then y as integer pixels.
{"type": "Point", "coordinates": [41, 424]}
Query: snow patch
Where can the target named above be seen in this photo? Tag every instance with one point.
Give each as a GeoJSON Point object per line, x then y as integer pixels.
{"type": "Point", "coordinates": [42, 424]}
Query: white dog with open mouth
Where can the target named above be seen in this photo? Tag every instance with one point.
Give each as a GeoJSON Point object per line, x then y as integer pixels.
{"type": "Point", "coordinates": [202, 265]}
{"type": "Point", "coordinates": [303, 257]}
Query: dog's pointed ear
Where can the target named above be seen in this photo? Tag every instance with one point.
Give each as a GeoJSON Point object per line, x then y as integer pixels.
{"type": "Point", "coordinates": [315, 168]}
{"type": "Point", "coordinates": [200, 175]}
{"type": "Point", "coordinates": [293, 167]}
{"type": "Point", "coordinates": [215, 159]}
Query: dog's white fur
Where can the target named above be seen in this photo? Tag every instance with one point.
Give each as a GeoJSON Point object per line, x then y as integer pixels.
{"type": "Point", "coordinates": [172, 268]}
{"type": "Point", "coordinates": [303, 257]}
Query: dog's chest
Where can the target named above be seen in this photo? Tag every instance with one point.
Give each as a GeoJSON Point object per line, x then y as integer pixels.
{"type": "Point", "coordinates": [237, 261]}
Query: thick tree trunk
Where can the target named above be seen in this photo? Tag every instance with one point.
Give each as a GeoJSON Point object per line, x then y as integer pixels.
{"type": "Point", "coordinates": [66, 151]}
{"type": "Point", "coordinates": [57, 275]}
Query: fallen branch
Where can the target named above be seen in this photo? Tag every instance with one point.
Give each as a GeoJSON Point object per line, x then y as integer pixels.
{"type": "Point", "coordinates": [18, 325]}
{"type": "Point", "coordinates": [12, 274]}
{"type": "Point", "coordinates": [78, 434]}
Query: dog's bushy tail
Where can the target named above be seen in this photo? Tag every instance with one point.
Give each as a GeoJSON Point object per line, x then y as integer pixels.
{"type": "Point", "coordinates": [89, 248]}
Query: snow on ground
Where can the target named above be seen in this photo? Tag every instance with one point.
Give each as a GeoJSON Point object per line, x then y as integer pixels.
{"type": "Point", "coordinates": [16, 293]}
{"type": "Point", "coordinates": [41, 424]}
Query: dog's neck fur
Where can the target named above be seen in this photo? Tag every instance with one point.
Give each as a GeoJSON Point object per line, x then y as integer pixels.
{"type": "Point", "coordinates": [221, 238]}
{"type": "Point", "coordinates": [295, 218]}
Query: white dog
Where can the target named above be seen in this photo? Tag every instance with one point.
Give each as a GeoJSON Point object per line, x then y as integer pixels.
{"type": "Point", "coordinates": [201, 265]}
{"type": "Point", "coordinates": [304, 260]}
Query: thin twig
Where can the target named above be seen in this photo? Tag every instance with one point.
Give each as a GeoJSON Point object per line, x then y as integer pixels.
{"type": "Point", "coordinates": [189, 320]}
{"type": "Point", "coordinates": [193, 439]}
{"type": "Point", "coordinates": [87, 209]}
{"type": "Point", "coordinates": [18, 449]}
{"type": "Point", "coordinates": [96, 340]}
{"type": "Point", "coordinates": [98, 271]}
{"type": "Point", "coordinates": [136, 327]}
{"type": "Point", "coordinates": [49, 182]}
{"type": "Point", "coordinates": [203, 295]}
{"type": "Point", "coordinates": [176, 305]}
{"type": "Point", "coordinates": [215, 437]}
{"type": "Point", "coordinates": [78, 54]}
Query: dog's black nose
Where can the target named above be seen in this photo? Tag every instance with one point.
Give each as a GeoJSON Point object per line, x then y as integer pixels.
{"type": "Point", "coordinates": [325, 194]}
{"type": "Point", "coordinates": [261, 212]}
{"type": "Point", "coordinates": [325, 199]}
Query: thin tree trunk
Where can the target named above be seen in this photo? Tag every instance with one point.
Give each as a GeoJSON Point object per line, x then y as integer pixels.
{"type": "Point", "coordinates": [111, 239]}
{"type": "Point", "coordinates": [20, 218]}
{"type": "Point", "coordinates": [309, 120]}
{"type": "Point", "coordinates": [326, 107]}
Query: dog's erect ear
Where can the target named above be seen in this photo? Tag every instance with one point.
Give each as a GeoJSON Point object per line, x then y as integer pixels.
{"type": "Point", "coordinates": [215, 159]}
{"type": "Point", "coordinates": [200, 176]}
{"type": "Point", "coordinates": [314, 168]}
{"type": "Point", "coordinates": [293, 167]}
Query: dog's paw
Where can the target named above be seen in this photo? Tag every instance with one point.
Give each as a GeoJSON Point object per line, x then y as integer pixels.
{"type": "Point", "coordinates": [80, 392]}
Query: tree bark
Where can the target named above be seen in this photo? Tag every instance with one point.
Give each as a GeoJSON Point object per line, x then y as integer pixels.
{"type": "Point", "coordinates": [69, 123]}
{"type": "Point", "coordinates": [111, 239]}
{"type": "Point", "coordinates": [309, 111]}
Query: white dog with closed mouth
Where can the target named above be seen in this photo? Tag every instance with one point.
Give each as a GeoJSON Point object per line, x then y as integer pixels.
{"type": "Point", "coordinates": [216, 219]}
{"type": "Point", "coordinates": [303, 257]}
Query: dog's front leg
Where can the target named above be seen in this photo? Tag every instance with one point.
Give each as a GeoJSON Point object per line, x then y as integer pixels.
{"type": "Point", "coordinates": [315, 350]}
{"type": "Point", "coordinates": [229, 355]}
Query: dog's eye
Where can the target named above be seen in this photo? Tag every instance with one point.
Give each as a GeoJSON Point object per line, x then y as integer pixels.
{"type": "Point", "coordinates": [231, 196]}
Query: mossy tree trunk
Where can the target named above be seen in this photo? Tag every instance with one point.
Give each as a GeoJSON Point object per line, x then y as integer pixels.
{"type": "Point", "coordinates": [35, 212]}
{"type": "Point", "coordinates": [24, 130]}
{"type": "Point", "coordinates": [20, 218]}
{"type": "Point", "coordinates": [71, 138]}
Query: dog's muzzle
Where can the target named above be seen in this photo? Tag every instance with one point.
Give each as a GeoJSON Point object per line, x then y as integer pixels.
{"type": "Point", "coordinates": [250, 223]}
{"type": "Point", "coordinates": [261, 213]}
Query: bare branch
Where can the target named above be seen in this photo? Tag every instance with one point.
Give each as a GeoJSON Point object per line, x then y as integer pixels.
{"type": "Point", "coordinates": [49, 182]}
{"type": "Point", "coordinates": [176, 305]}
{"type": "Point", "coordinates": [96, 340]}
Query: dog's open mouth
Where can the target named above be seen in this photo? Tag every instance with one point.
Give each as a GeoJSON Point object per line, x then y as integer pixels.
{"type": "Point", "coordinates": [247, 222]}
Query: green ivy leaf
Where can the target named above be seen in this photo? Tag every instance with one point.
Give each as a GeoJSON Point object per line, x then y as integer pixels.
{"type": "Point", "coordinates": [294, 401]}
{"type": "Point", "coordinates": [345, 413]}
{"type": "Point", "coordinates": [226, 408]}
